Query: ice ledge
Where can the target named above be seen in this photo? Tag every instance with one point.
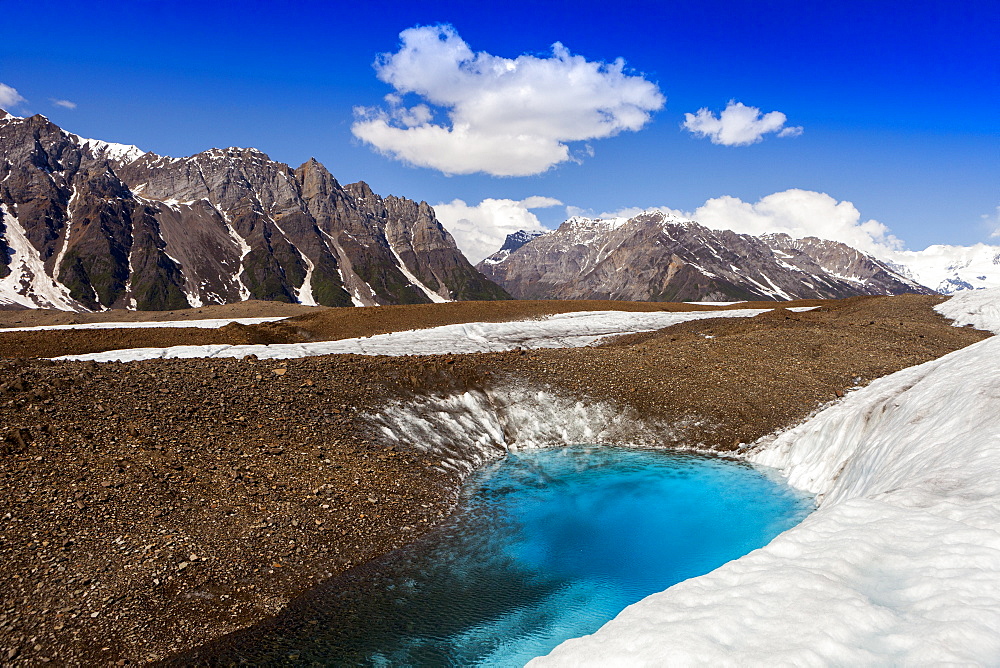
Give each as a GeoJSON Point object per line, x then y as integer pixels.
{"type": "Point", "coordinates": [464, 431]}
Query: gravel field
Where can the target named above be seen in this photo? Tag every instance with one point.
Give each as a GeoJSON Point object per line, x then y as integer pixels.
{"type": "Point", "coordinates": [149, 507]}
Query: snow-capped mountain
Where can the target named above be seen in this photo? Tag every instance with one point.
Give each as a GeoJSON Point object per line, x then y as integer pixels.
{"type": "Point", "coordinates": [87, 224]}
{"type": "Point", "coordinates": [511, 244]}
{"type": "Point", "coordinates": [950, 269]}
{"type": "Point", "coordinates": [658, 256]}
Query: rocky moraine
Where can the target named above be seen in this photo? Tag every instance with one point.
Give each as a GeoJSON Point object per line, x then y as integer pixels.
{"type": "Point", "coordinates": [149, 507]}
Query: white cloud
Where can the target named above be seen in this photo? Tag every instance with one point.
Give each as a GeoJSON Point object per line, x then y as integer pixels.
{"type": "Point", "coordinates": [738, 125]}
{"type": "Point", "coordinates": [993, 221]}
{"type": "Point", "coordinates": [9, 97]}
{"type": "Point", "coordinates": [797, 213]}
{"type": "Point", "coordinates": [505, 117]}
{"type": "Point", "coordinates": [481, 229]}
{"type": "Point", "coordinates": [66, 104]}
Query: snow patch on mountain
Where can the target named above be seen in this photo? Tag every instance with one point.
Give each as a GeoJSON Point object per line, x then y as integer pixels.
{"type": "Point", "coordinates": [512, 243]}
{"type": "Point", "coordinates": [414, 281]}
{"type": "Point", "coordinates": [899, 564]}
{"type": "Point", "coordinates": [121, 153]}
{"type": "Point", "coordinates": [236, 277]}
{"type": "Point", "coordinates": [27, 284]}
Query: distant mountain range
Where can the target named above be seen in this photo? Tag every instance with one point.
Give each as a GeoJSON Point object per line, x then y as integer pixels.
{"type": "Point", "coordinates": [950, 269]}
{"type": "Point", "coordinates": [656, 256]}
{"type": "Point", "coordinates": [87, 224]}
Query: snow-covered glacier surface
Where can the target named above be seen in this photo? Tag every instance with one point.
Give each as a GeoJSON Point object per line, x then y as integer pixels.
{"type": "Point", "coordinates": [564, 330]}
{"type": "Point", "coordinates": [975, 308]}
{"type": "Point", "coordinates": [900, 563]}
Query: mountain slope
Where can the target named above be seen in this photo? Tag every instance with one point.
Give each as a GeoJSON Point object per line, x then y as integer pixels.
{"type": "Point", "coordinates": [86, 224]}
{"type": "Point", "coordinates": [655, 256]}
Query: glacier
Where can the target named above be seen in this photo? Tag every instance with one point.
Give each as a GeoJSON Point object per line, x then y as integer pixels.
{"type": "Point", "coordinates": [951, 269]}
{"type": "Point", "coordinates": [899, 564]}
{"type": "Point", "coordinates": [563, 330]}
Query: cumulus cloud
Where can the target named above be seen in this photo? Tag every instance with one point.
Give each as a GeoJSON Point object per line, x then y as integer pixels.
{"type": "Point", "coordinates": [65, 104]}
{"type": "Point", "coordinates": [9, 97]}
{"type": "Point", "coordinates": [481, 229]}
{"type": "Point", "coordinates": [502, 116]}
{"type": "Point", "coordinates": [797, 213]}
{"type": "Point", "coordinates": [993, 220]}
{"type": "Point", "coordinates": [738, 125]}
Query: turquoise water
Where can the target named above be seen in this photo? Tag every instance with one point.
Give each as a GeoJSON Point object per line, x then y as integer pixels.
{"type": "Point", "coordinates": [548, 545]}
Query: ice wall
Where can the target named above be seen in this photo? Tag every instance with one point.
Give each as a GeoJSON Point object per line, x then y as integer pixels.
{"type": "Point", "coordinates": [467, 430]}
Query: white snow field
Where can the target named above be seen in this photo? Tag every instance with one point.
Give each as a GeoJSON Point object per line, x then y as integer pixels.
{"type": "Point", "coordinates": [204, 323]}
{"type": "Point", "coordinates": [979, 308]}
{"type": "Point", "coordinates": [564, 330]}
{"type": "Point", "coordinates": [899, 564]}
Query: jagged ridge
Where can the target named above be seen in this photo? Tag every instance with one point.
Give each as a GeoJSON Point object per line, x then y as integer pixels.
{"type": "Point", "coordinates": [659, 257]}
{"type": "Point", "coordinates": [86, 224]}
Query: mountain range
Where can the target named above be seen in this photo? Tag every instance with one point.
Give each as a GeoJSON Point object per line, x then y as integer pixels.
{"type": "Point", "coordinates": [950, 269]}
{"type": "Point", "coordinates": [90, 225]}
{"type": "Point", "coordinates": [660, 257]}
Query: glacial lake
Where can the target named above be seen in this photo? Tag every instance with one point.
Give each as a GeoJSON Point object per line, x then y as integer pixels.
{"type": "Point", "coordinates": [546, 545]}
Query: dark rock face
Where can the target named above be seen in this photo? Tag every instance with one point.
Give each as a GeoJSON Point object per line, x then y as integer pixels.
{"type": "Point", "coordinates": [511, 244]}
{"type": "Point", "coordinates": [656, 257]}
{"type": "Point", "coordinates": [518, 239]}
{"type": "Point", "coordinates": [86, 224]}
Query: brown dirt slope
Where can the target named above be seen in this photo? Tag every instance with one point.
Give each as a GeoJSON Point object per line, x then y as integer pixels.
{"type": "Point", "coordinates": [151, 506]}
{"type": "Point", "coordinates": [248, 309]}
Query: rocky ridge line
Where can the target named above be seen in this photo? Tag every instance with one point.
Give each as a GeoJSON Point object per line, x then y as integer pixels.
{"type": "Point", "coordinates": [655, 256]}
{"type": "Point", "coordinates": [89, 225]}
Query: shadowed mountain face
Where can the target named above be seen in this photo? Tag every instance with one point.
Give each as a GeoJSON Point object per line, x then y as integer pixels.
{"type": "Point", "coordinates": [85, 224]}
{"type": "Point", "coordinates": [657, 257]}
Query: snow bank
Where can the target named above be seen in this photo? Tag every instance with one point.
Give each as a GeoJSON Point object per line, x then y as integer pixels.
{"type": "Point", "coordinates": [565, 330]}
{"type": "Point", "coordinates": [899, 565]}
{"type": "Point", "coordinates": [205, 323]}
{"type": "Point", "coordinates": [979, 308]}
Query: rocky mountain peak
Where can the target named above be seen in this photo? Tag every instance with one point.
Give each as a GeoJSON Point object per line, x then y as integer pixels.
{"type": "Point", "coordinates": [657, 255]}
{"type": "Point", "coordinates": [317, 181]}
{"type": "Point", "coordinates": [518, 239]}
{"type": "Point", "coordinates": [361, 191]}
{"type": "Point", "coordinates": [87, 224]}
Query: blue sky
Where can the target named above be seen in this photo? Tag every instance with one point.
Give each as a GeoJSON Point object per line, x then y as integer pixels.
{"type": "Point", "coordinates": [898, 101]}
